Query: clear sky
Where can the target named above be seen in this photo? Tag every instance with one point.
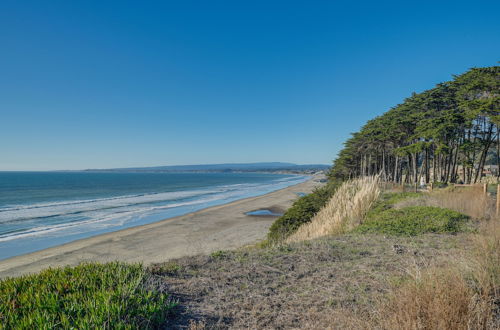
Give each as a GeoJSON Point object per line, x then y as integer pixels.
{"type": "Point", "coordinates": [96, 84]}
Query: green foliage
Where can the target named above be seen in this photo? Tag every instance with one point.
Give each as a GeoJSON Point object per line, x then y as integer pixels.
{"type": "Point", "coordinates": [386, 201]}
{"type": "Point", "coordinates": [112, 295]}
{"type": "Point", "coordinates": [302, 211]}
{"type": "Point", "coordinates": [414, 220]}
{"type": "Point", "coordinates": [454, 123]}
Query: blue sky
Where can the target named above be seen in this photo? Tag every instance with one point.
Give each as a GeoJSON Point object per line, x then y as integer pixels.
{"type": "Point", "coordinates": [86, 84]}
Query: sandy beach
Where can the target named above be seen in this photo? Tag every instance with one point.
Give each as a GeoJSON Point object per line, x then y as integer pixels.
{"type": "Point", "coordinates": [216, 228]}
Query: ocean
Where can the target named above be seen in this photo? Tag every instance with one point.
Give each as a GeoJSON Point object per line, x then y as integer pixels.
{"type": "Point", "coordinates": [43, 209]}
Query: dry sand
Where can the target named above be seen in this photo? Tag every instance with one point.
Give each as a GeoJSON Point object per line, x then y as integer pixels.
{"type": "Point", "coordinates": [215, 228]}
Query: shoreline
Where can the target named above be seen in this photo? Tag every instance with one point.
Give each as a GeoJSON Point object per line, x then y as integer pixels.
{"type": "Point", "coordinates": [140, 209]}
{"type": "Point", "coordinates": [218, 227]}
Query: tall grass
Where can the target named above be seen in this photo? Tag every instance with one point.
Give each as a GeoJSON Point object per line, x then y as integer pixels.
{"type": "Point", "coordinates": [469, 201]}
{"type": "Point", "coordinates": [486, 261]}
{"type": "Point", "coordinates": [463, 296]}
{"type": "Point", "coordinates": [437, 299]}
{"type": "Point", "coordinates": [302, 211]}
{"type": "Point", "coordinates": [345, 209]}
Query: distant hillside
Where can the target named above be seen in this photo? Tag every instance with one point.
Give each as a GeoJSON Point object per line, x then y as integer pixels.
{"type": "Point", "coordinates": [231, 167]}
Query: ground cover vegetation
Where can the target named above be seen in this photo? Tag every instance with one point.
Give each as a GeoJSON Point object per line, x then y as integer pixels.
{"type": "Point", "coordinates": [113, 295]}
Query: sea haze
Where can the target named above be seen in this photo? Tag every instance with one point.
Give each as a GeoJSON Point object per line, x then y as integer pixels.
{"type": "Point", "coordinates": [43, 209]}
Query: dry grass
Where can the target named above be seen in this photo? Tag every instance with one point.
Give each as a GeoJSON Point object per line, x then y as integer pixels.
{"type": "Point", "coordinates": [342, 282]}
{"type": "Point", "coordinates": [485, 264]}
{"type": "Point", "coordinates": [347, 208]}
{"type": "Point", "coordinates": [437, 299]}
{"type": "Point", "coordinates": [489, 179]}
{"type": "Point", "coordinates": [469, 201]}
{"type": "Point", "coordinates": [463, 296]}
{"type": "Point", "coordinates": [351, 281]}
{"type": "Point", "coordinates": [330, 283]}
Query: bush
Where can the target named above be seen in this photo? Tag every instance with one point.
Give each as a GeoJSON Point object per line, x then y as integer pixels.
{"type": "Point", "coordinates": [414, 220]}
{"type": "Point", "coordinates": [302, 211]}
{"type": "Point", "coordinates": [112, 295]}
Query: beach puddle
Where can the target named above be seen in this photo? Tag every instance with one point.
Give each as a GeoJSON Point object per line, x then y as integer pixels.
{"type": "Point", "coordinates": [265, 212]}
{"type": "Point", "coordinates": [300, 194]}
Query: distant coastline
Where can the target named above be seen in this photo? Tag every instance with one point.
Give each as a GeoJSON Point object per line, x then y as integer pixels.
{"type": "Point", "coordinates": [269, 167]}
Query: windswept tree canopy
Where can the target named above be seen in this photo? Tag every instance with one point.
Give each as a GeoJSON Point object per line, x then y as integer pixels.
{"type": "Point", "coordinates": [443, 134]}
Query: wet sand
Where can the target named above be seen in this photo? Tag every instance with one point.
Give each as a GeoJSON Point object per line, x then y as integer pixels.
{"type": "Point", "coordinates": [215, 228]}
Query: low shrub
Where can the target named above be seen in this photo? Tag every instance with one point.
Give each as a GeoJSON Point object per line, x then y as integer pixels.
{"type": "Point", "coordinates": [388, 200]}
{"type": "Point", "coordinates": [113, 295]}
{"type": "Point", "coordinates": [414, 220]}
{"type": "Point", "coordinates": [302, 211]}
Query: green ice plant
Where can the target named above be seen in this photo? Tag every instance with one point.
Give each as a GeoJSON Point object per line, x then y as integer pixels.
{"type": "Point", "coordinates": [112, 295]}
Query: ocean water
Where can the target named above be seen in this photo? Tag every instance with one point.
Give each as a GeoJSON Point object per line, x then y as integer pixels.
{"type": "Point", "coordinates": [43, 209]}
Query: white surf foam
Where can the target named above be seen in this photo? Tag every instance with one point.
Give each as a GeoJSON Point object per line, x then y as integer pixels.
{"type": "Point", "coordinates": [99, 214]}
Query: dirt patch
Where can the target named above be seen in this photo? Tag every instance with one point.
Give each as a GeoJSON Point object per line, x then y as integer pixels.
{"type": "Point", "coordinates": [326, 283]}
